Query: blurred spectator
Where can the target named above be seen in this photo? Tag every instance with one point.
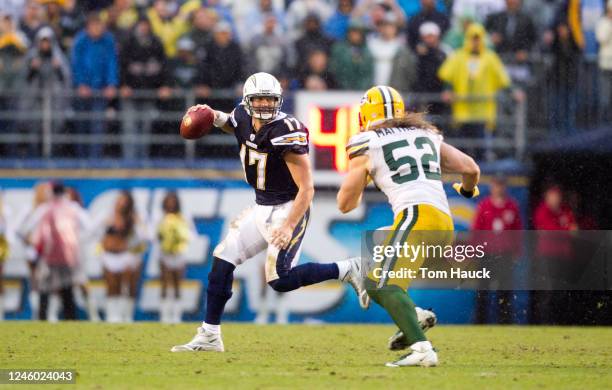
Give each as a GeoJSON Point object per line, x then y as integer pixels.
{"type": "Point", "coordinates": [13, 45]}
{"type": "Point", "coordinates": [351, 61]}
{"type": "Point", "coordinates": [455, 35]}
{"type": "Point", "coordinates": [95, 71]}
{"type": "Point", "coordinates": [52, 11]}
{"type": "Point", "coordinates": [299, 10]}
{"type": "Point", "coordinates": [42, 193]}
{"type": "Point", "coordinates": [430, 58]}
{"type": "Point", "coordinates": [394, 64]}
{"type": "Point", "coordinates": [32, 20]}
{"type": "Point", "coordinates": [553, 251]}
{"type": "Point", "coordinates": [121, 15]}
{"type": "Point", "coordinates": [143, 66]}
{"type": "Point", "coordinates": [223, 66]}
{"type": "Point", "coordinates": [173, 234]}
{"type": "Point", "coordinates": [48, 77]}
{"type": "Point", "coordinates": [241, 8]}
{"type": "Point", "coordinates": [513, 34]}
{"type": "Point", "coordinates": [65, 18]}
{"type": "Point", "coordinates": [497, 213]}
{"type": "Point", "coordinates": [479, 9]}
{"type": "Point", "coordinates": [553, 214]}
{"type": "Point", "coordinates": [270, 51]}
{"type": "Point", "coordinates": [412, 8]}
{"type": "Point", "coordinates": [203, 21]}
{"type": "Point", "coordinates": [604, 37]}
{"type": "Point", "coordinates": [428, 13]}
{"type": "Point", "coordinates": [254, 20]}
{"type": "Point", "coordinates": [168, 23]}
{"type": "Point", "coordinates": [512, 31]}
{"type": "Point", "coordinates": [316, 76]}
{"type": "Point", "coordinates": [313, 39]}
{"type": "Point", "coordinates": [12, 8]}
{"type": "Point", "coordinates": [72, 20]}
{"type": "Point", "coordinates": [563, 81]}
{"type": "Point", "coordinates": [337, 25]}
{"type": "Point", "coordinates": [221, 9]}
{"type": "Point", "coordinates": [57, 227]}
{"type": "Point", "coordinates": [373, 12]}
{"type": "Point", "coordinates": [474, 76]}
{"type": "Point", "coordinates": [183, 76]}
{"type": "Point", "coordinates": [120, 18]}
{"type": "Point", "coordinates": [589, 13]}
{"type": "Point", "coordinates": [183, 68]}
{"type": "Point", "coordinates": [98, 5]}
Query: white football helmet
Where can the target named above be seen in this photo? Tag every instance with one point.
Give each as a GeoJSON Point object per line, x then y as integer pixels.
{"type": "Point", "coordinates": [262, 84]}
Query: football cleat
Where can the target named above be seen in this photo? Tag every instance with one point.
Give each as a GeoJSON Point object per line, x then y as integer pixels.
{"type": "Point", "coordinates": [355, 279]}
{"type": "Point", "coordinates": [422, 355]}
{"type": "Point", "coordinates": [203, 341]}
{"type": "Point", "coordinates": [427, 319]}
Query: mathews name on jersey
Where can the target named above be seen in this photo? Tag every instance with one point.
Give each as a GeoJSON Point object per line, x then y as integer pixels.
{"type": "Point", "coordinates": [262, 154]}
{"type": "Point", "coordinates": [404, 164]}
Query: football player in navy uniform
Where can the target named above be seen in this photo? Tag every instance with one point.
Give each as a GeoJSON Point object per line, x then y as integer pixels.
{"type": "Point", "coordinates": [274, 155]}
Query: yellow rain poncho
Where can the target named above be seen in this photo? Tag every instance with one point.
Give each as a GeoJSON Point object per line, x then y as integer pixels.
{"type": "Point", "coordinates": [475, 80]}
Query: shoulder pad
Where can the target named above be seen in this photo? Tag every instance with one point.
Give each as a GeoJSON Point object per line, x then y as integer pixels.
{"type": "Point", "coordinates": [359, 144]}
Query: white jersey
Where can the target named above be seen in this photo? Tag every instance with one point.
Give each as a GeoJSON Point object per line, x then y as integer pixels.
{"type": "Point", "coordinates": [404, 164]}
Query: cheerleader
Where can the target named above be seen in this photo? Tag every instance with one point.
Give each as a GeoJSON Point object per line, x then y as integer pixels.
{"type": "Point", "coordinates": [120, 242]}
{"type": "Point", "coordinates": [173, 234]}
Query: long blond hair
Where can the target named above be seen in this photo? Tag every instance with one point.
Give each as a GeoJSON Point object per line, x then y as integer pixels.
{"type": "Point", "coordinates": [409, 119]}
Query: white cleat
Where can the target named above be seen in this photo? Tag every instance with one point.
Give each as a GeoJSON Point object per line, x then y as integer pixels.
{"type": "Point", "coordinates": [203, 341]}
{"type": "Point", "coordinates": [422, 355]}
{"type": "Point", "coordinates": [427, 319]}
{"type": "Point", "coordinates": [355, 279]}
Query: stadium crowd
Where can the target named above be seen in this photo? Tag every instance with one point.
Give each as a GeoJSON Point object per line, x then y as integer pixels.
{"type": "Point", "coordinates": [460, 53]}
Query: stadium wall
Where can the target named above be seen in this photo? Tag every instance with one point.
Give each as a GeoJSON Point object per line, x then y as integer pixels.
{"type": "Point", "coordinates": [212, 200]}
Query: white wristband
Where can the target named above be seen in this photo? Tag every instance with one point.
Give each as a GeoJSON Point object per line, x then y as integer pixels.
{"type": "Point", "coordinates": [220, 119]}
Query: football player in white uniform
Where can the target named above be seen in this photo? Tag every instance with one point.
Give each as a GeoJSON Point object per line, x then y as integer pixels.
{"type": "Point", "coordinates": [404, 155]}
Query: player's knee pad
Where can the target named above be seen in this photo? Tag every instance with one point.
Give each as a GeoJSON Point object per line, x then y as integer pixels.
{"type": "Point", "coordinates": [220, 278]}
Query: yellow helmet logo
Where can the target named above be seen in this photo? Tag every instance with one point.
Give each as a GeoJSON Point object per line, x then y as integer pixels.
{"type": "Point", "coordinates": [380, 103]}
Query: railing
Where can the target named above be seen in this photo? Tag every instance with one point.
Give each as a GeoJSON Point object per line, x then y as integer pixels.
{"type": "Point", "coordinates": [47, 124]}
{"type": "Point", "coordinates": [52, 124]}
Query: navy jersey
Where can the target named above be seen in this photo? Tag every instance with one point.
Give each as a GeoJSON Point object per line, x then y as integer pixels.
{"type": "Point", "coordinates": [262, 152]}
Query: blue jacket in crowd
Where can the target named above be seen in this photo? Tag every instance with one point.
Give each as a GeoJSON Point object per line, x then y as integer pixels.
{"type": "Point", "coordinates": [94, 62]}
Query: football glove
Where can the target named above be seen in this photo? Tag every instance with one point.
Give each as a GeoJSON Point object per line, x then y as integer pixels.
{"type": "Point", "coordinates": [466, 194]}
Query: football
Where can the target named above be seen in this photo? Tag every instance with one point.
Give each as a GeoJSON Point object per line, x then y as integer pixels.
{"type": "Point", "coordinates": [197, 122]}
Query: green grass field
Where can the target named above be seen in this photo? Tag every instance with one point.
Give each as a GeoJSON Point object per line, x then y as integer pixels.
{"type": "Point", "coordinates": [317, 356]}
